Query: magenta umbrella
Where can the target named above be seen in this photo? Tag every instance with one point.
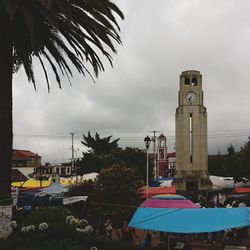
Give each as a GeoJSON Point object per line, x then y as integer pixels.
{"type": "Point", "coordinates": [160, 203]}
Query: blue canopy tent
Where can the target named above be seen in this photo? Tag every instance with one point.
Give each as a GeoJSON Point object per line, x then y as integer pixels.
{"type": "Point", "coordinates": [190, 220]}
{"type": "Point", "coordinates": [26, 198]}
{"type": "Point", "coordinates": [55, 189]}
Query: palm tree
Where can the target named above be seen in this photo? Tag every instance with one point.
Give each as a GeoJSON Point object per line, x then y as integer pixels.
{"type": "Point", "coordinates": [60, 33]}
{"type": "Point", "coordinates": [100, 153]}
{"type": "Point", "coordinates": [100, 146]}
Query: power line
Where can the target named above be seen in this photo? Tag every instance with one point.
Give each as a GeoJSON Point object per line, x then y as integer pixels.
{"type": "Point", "coordinates": [67, 134]}
{"type": "Point", "coordinates": [137, 139]}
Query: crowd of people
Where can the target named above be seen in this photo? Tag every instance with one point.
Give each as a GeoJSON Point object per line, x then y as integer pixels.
{"type": "Point", "coordinates": [145, 239]}
{"type": "Point", "coordinates": [220, 199]}
{"type": "Point", "coordinates": [124, 233]}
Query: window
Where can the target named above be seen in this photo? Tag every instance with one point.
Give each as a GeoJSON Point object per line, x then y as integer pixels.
{"type": "Point", "coordinates": [194, 81]}
{"type": "Point", "coordinates": [161, 154]}
{"type": "Point", "coordinates": [187, 81]}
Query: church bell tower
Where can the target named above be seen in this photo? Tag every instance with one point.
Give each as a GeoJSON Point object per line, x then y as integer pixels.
{"type": "Point", "coordinates": [191, 136]}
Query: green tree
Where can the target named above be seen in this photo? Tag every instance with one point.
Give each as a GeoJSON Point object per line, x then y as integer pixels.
{"type": "Point", "coordinates": [117, 190]}
{"type": "Point", "coordinates": [244, 170]}
{"type": "Point", "coordinates": [114, 193]}
{"type": "Point", "coordinates": [133, 157]}
{"type": "Point", "coordinates": [224, 165]}
{"type": "Point", "coordinates": [100, 153]}
{"type": "Point", "coordinates": [231, 162]}
{"type": "Point", "coordinates": [216, 164]}
{"type": "Point", "coordinates": [136, 159]}
{"type": "Point", "coordinates": [100, 146]}
{"type": "Point", "coordinates": [60, 33]}
{"type": "Point", "coordinates": [103, 152]}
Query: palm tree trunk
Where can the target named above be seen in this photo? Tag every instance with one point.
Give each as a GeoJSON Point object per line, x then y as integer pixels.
{"type": "Point", "coordinates": [6, 126]}
{"type": "Point", "coordinates": [6, 134]}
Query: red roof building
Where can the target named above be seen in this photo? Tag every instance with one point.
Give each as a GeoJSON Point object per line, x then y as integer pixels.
{"type": "Point", "coordinates": [25, 158]}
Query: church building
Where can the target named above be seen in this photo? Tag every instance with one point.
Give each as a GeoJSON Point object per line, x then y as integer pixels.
{"type": "Point", "coordinates": [165, 161]}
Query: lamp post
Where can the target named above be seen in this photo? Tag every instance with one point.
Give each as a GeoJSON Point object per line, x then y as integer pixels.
{"type": "Point", "coordinates": [147, 141]}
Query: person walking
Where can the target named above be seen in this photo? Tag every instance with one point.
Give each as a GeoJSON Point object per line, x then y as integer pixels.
{"type": "Point", "coordinates": [126, 232]}
{"type": "Point", "coordinates": [109, 229]}
{"type": "Point", "coordinates": [147, 241]}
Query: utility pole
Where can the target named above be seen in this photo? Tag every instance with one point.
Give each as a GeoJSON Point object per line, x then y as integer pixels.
{"type": "Point", "coordinates": [154, 148]}
{"type": "Point", "coordinates": [72, 152]}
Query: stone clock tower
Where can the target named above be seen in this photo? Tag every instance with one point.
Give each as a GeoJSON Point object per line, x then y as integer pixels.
{"type": "Point", "coordinates": [191, 136]}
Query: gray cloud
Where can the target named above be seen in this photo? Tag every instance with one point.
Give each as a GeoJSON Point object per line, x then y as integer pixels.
{"type": "Point", "coordinates": [160, 40]}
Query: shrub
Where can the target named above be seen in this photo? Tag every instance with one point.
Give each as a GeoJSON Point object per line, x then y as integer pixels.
{"type": "Point", "coordinates": [60, 229]}
{"type": "Point", "coordinates": [51, 215]}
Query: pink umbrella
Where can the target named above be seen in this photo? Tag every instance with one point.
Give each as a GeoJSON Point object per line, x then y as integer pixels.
{"type": "Point", "coordinates": [160, 203]}
{"type": "Point", "coordinates": [156, 191]}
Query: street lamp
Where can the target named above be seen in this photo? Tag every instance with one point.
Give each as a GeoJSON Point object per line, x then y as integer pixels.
{"type": "Point", "coordinates": [147, 141]}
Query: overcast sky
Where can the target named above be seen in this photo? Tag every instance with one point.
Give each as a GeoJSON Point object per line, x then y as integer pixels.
{"type": "Point", "coordinates": [161, 38]}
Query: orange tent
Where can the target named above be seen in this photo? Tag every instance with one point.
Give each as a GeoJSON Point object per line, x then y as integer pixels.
{"type": "Point", "coordinates": [241, 190]}
{"type": "Point", "coordinates": [155, 191]}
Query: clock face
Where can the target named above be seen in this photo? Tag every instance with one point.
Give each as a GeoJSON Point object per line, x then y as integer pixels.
{"type": "Point", "coordinates": [190, 97]}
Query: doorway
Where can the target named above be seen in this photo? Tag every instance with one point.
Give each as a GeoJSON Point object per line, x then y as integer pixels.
{"type": "Point", "coordinates": [192, 190]}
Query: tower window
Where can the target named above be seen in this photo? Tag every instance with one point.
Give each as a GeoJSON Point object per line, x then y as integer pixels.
{"type": "Point", "coordinates": [194, 81]}
{"type": "Point", "coordinates": [161, 156]}
{"type": "Point", "coordinates": [187, 81]}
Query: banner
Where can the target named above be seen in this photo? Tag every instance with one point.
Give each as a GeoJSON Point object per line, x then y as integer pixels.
{"type": "Point", "coordinates": [74, 199]}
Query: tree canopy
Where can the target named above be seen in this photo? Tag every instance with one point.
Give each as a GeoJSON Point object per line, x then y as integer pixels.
{"type": "Point", "coordinates": [117, 190]}
{"type": "Point", "coordinates": [99, 153]}
{"type": "Point", "coordinates": [102, 152]}
{"type": "Point", "coordinates": [119, 183]}
{"type": "Point", "coordinates": [100, 146]}
{"type": "Point", "coordinates": [113, 193]}
{"type": "Point", "coordinates": [234, 164]}
{"type": "Point", "coordinates": [136, 159]}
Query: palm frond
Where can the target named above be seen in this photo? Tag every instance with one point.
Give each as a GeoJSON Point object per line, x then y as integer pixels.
{"type": "Point", "coordinates": [45, 72]}
{"type": "Point", "coordinates": [60, 29]}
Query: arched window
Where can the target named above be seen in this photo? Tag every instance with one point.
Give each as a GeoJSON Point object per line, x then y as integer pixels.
{"type": "Point", "coordinates": [194, 81]}
{"type": "Point", "coordinates": [161, 153]}
{"type": "Point", "coordinates": [187, 81]}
